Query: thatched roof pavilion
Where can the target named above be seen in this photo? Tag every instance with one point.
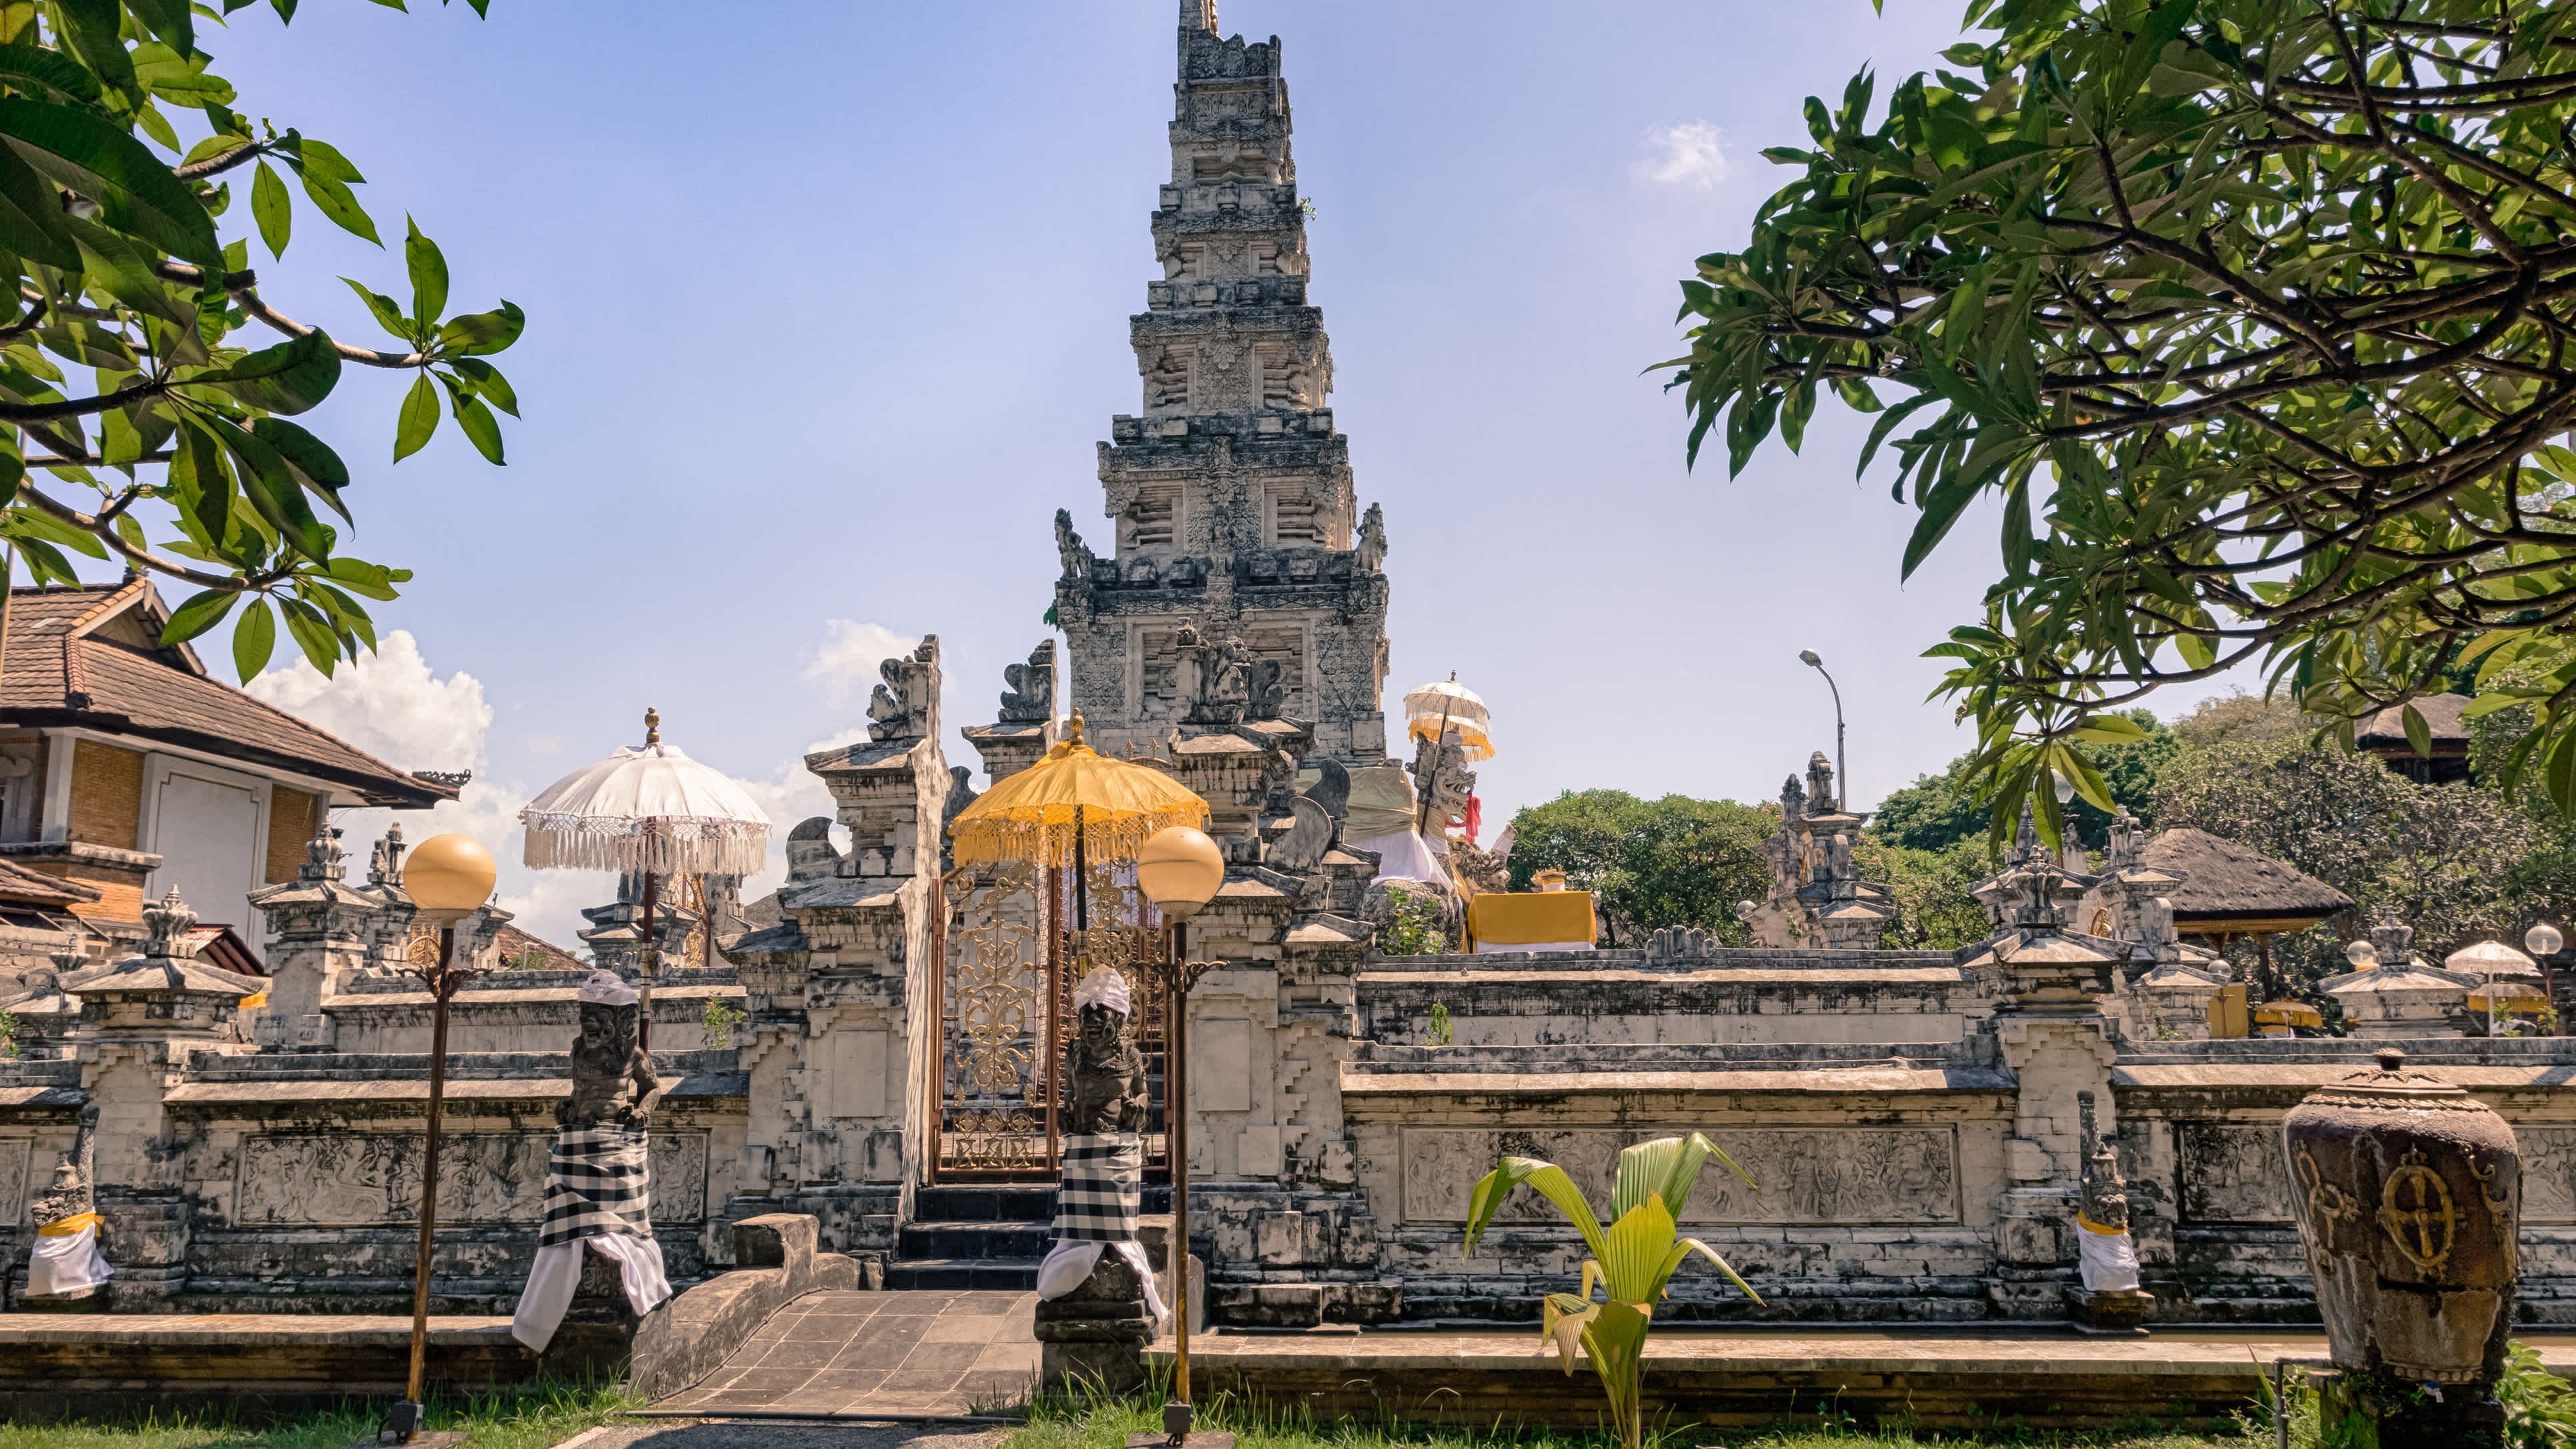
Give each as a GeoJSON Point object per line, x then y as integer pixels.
{"type": "Point", "coordinates": [2233, 890]}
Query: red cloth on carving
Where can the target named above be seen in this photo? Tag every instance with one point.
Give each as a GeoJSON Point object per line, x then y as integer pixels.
{"type": "Point", "coordinates": [1475, 818]}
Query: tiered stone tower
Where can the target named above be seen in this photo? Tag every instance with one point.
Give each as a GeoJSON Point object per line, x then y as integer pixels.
{"type": "Point", "coordinates": [1230, 493]}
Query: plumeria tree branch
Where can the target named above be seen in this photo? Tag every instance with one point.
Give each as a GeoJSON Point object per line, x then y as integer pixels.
{"type": "Point", "coordinates": [2254, 315]}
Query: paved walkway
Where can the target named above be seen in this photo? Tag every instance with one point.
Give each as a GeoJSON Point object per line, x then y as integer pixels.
{"type": "Point", "coordinates": [767, 1434]}
{"type": "Point", "coordinates": [856, 1353]}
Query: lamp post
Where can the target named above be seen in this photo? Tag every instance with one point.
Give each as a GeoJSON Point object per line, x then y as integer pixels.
{"type": "Point", "coordinates": [1179, 871]}
{"type": "Point", "coordinates": [1841, 769]}
{"type": "Point", "coordinates": [2543, 942]}
{"type": "Point", "coordinates": [448, 877]}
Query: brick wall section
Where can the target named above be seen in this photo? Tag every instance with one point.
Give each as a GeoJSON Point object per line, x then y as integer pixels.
{"type": "Point", "coordinates": [291, 825]}
{"type": "Point", "coordinates": [107, 795]}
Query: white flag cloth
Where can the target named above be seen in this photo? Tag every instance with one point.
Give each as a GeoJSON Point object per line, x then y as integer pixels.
{"type": "Point", "coordinates": [1071, 1260]}
{"type": "Point", "coordinates": [2107, 1257]}
{"type": "Point", "coordinates": [67, 1257]}
{"type": "Point", "coordinates": [557, 1272]}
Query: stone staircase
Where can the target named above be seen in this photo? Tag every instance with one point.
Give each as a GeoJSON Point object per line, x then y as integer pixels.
{"type": "Point", "coordinates": [973, 1237]}
{"type": "Point", "coordinates": [994, 1236]}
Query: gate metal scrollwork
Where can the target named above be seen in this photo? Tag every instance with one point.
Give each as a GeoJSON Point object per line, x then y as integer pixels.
{"type": "Point", "coordinates": [993, 1086]}
{"type": "Point", "coordinates": [1001, 990]}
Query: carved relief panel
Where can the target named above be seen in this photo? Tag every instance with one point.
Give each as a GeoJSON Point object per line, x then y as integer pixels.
{"type": "Point", "coordinates": [1222, 379]}
{"type": "Point", "coordinates": [1800, 1175]}
{"type": "Point", "coordinates": [359, 1179]}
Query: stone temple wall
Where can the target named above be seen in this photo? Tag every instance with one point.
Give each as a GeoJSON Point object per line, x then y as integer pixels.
{"type": "Point", "coordinates": [1907, 1120]}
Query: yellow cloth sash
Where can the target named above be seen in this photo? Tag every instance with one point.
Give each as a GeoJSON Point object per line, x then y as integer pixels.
{"type": "Point", "coordinates": [2090, 1226]}
{"type": "Point", "coordinates": [66, 1227]}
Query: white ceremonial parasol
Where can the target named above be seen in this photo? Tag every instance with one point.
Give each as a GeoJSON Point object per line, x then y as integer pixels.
{"type": "Point", "coordinates": [1436, 708]}
{"type": "Point", "coordinates": [650, 809]}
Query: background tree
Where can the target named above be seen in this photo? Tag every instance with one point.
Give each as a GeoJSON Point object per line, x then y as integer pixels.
{"type": "Point", "coordinates": [2455, 860]}
{"type": "Point", "coordinates": [133, 423]}
{"type": "Point", "coordinates": [2254, 314]}
{"type": "Point", "coordinates": [1937, 812]}
{"type": "Point", "coordinates": [1649, 863]}
{"type": "Point", "coordinates": [1934, 911]}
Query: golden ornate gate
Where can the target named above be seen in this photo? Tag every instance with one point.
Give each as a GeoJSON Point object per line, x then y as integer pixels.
{"type": "Point", "coordinates": [1006, 994]}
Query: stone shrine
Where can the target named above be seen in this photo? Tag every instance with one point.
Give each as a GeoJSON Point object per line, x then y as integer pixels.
{"type": "Point", "coordinates": [1237, 542]}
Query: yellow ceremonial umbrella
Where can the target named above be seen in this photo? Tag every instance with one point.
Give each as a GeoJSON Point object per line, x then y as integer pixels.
{"type": "Point", "coordinates": [1072, 807]}
{"type": "Point", "coordinates": [1444, 705]}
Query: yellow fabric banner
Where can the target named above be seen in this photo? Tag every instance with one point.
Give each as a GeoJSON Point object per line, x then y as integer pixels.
{"type": "Point", "coordinates": [66, 1227]}
{"type": "Point", "coordinates": [1531, 918]}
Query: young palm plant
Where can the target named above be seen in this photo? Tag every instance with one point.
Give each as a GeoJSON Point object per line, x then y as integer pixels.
{"type": "Point", "coordinates": [1631, 1262]}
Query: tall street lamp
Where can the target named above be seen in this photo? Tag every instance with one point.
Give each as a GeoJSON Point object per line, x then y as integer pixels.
{"type": "Point", "coordinates": [1842, 771]}
{"type": "Point", "coordinates": [1179, 871]}
{"type": "Point", "coordinates": [448, 877]}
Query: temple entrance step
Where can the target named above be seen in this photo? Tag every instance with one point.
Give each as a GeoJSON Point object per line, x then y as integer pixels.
{"type": "Point", "coordinates": [963, 1274]}
{"type": "Point", "coordinates": [973, 1240]}
{"type": "Point", "coordinates": [985, 1203]}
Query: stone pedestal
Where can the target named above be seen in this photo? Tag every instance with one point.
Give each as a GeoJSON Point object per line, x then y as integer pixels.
{"type": "Point", "coordinates": [2121, 1312]}
{"type": "Point", "coordinates": [1094, 1337]}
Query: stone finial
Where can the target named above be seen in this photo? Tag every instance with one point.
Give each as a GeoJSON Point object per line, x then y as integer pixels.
{"type": "Point", "coordinates": [1199, 15]}
{"type": "Point", "coordinates": [2392, 939]}
{"type": "Point", "coordinates": [1070, 551]}
{"type": "Point", "coordinates": [1793, 802]}
{"type": "Point", "coordinates": [2127, 847]}
{"type": "Point", "coordinates": [1264, 692]}
{"type": "Point", "coordinates": [166, 923]}
{"type": "Point", "coordinates": [1030, 699]}
{"type": "Point", "coordinates": [900, 710]}
{"type": "Point", "coordinates": [324, 860]}
{"type": "Point", "coordinates": [1820, 784]}
{"type": "Point", "coordinates": [811, 856]}
{"type": "Point", "coordinates": [2156, 929]}
{"type": "Point", "coordinates": [385, 866]}
{"type": "Point", "coordinates": [1372, 540]}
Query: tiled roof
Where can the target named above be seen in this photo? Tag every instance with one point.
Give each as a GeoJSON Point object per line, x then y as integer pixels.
{"type": "Point", "coordinates": [21, 886]}
{"type": "Point", "coordinates": [61, 671]}
{"type": "Point", "coordinates": [512, 948]}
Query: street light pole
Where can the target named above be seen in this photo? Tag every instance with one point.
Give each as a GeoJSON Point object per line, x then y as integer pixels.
{"type": "Point", "coordinates": [448, 878]}
{"type": "Point", "coordinates": [1180, 870]}
{"type": "Point", "coordinates": [1842, 770]}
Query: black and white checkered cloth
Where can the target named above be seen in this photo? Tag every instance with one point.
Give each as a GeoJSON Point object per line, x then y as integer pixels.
{"type": "Point", "coordinates": [599, 1183]}
{"type": "Point", "coordinates": [1102, 1188]}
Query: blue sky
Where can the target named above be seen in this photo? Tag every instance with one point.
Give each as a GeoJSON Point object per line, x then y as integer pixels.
{"type": "Point", "coordinates": [827, 309]}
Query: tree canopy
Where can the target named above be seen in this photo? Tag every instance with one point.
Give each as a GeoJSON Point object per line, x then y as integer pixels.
{"type": "Point", "coordinates": [2255, 315]}
{"type": "Point", "coordinates": [1649, 863]}
{"type": "Point", "coordinates": [137, 422]}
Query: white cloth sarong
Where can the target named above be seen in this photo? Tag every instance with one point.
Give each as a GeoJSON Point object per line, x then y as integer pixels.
{"type": "Point", "coordinates": [66, 1258]}
{"type": "Point", "coordinates": [557, 1272]}
{"type": "Point", "coordinates": [1071, 1260]}
{"type": "Point", "coordinates": [2106, 1257]}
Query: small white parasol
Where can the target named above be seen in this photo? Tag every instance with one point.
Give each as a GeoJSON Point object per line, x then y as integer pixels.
{"type": "Point", "coordinates": [1444, 705]}
{"type": "Point", "coordinates": [650, 809]}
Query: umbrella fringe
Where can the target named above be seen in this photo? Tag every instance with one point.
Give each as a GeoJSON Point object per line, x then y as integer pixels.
{"type": "Point", "coordinates": [661, 845]}
{"type": "Point", "coordinates": [1049, 839]}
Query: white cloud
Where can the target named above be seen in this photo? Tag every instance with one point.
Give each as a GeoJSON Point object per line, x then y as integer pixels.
{"type": "Point", "coordinates": [390, 705]}
{"type": "Point", "coordinates": [845, 663]}
{"type": "Point", "coordinates": [1690, 154]}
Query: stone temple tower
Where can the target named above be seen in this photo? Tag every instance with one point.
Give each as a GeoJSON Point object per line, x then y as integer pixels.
{"type": "Point", "coordinates": [1242, 571]}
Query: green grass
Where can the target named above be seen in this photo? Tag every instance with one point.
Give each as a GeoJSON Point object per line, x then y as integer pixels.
{"type": "Point", "coordinates": [529, 1418]}
{"type": "Point", "coordinates": [1099, 1422]}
